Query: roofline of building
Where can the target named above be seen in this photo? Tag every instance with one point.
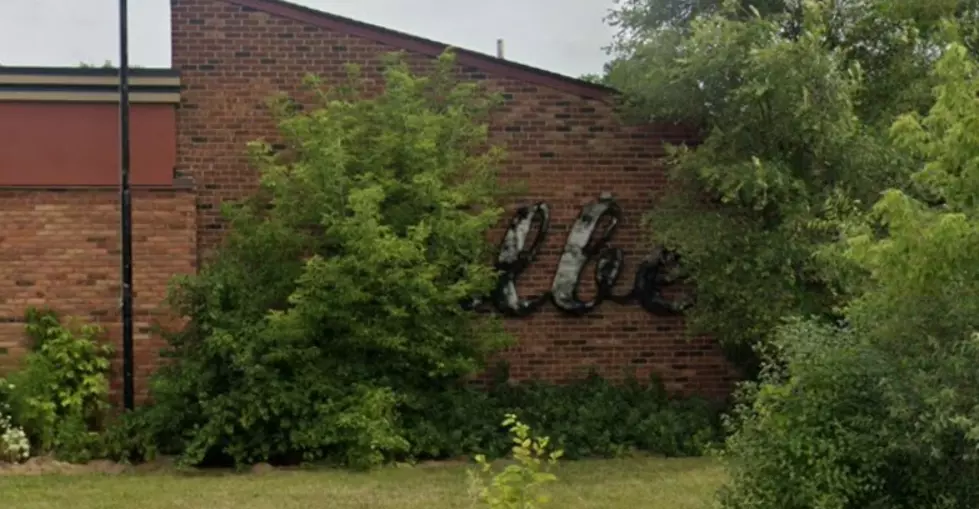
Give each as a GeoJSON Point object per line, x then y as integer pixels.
{"type": "Point", "coordinates": [148, 72]}
{"type": "Point", "coordinates": [412, 43]}
{"type": "Point", "coordinates": [87, 84]}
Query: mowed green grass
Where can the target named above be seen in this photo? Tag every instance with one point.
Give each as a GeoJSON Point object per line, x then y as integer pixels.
{"type": "Point", "coordinates": [620, 484]}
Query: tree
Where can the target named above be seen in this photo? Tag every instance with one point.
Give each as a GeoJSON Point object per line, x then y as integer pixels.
{"type": "Point", "coordinates": [793, 100]}
{"type": "Point", "coordinates": [335, 300]}
{"type": "Point", "coordinates": [880, 411]}
{"type": "Point", "coordinates": [105, 65]}
{"type": "Point", "coordinates": [639, 19]}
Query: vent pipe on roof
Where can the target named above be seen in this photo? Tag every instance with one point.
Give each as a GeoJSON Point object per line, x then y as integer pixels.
{"type": "Point", "coordinates": [499, 48]}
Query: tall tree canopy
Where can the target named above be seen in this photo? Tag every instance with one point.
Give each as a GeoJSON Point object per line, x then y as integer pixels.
{"type": "Point", "coordinates": [888, 418]}
{"type": "Point", "coordinates": [794, 100]}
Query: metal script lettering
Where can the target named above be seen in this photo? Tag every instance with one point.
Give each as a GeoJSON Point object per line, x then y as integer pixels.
{"type": "Point", "coordinates": [657, 272]}
{"type": "Point", "coordinates": [582, 248]}
{"type": "Point", "coordinates": [515, 257]}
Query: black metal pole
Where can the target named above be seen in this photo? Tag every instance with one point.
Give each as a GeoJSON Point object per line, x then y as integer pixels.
{"type": "Point", "coordinates": [128, 389]}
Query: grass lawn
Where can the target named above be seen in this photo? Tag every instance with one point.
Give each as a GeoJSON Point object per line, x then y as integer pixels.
{"type": "Point", "coordinates": [620, 484]}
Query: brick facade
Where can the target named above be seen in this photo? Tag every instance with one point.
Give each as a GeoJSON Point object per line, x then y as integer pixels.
{"type": "Point", "coordinates": [563, 141]}
{"type": "Point", "coordinates": [60, 248]}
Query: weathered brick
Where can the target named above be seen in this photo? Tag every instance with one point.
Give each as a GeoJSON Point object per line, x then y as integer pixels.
{"type": "Point", "coordinates": [60, 248]}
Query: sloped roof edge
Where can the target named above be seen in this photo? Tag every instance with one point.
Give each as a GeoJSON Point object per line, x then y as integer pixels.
{"type": "Point", "coordinates": [91, 85]}
{"type": "Point", "coordinates": [416, 44]}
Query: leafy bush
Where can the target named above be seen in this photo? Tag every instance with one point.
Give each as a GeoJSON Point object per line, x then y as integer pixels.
{"type": "Point", "coordinates": [518, 486]}
{"type": "Point", "coordinates": [588, 418]}
{"type": "Point", "coordinates": [133, 437]}
{"type": "Point", "coordinates": [60, 394]}
{"type": "Point", "coordinates": [809, 433]}
{"type": "Point", "coordinates": [14, 445]}
{"type": "Point", "coordinates": [6, 395]}
{"type": "Point", "coordinates": [336, 296]}
{"type": "Point", "coordinates": [881, 411]}
{"type": "Point", "coordinates": [838, 422]}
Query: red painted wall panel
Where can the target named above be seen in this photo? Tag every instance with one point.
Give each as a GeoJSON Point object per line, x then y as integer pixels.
{"type": "Point", "coordinates": [77, 144]}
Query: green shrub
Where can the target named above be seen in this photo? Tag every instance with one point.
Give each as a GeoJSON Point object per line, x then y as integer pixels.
{"type": "Point", "coordinates": [14, 444]}
{"type": "Point", "coordinates": [133, 437]}
{"type": "Point", "coordinates": [588, 418]}
{"type": "Point", "coordinates": [76, 442]}
{"type": "Point", "coordinates": [518, 485]}
{"type": "Point", "coordinates": [336, 296]}
{"type": "Point", "coordinates": [838, 422]}
{"type": "Point", "coordinates": [60, 394]}
{"type": "Point", "coordinates": [812, 431]}
{"type": "Point", "coordinates": [6, 396]}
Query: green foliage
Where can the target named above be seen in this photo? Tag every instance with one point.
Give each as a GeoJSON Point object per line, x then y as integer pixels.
{"type": "Point", "coordinates": [794, 100]}
{"type": "Point", "coordinates": [518, 485]}
{"type": "Point", "coordinates": [593, 78]}
{"type": "Point", "coordinates": [752, 202]}
{"type": "Point", "coordinates": [6, 394]}
{"type": "Point", "coordinates": [809, 432]}
{"type": "Point", "coordinates": [14, 444]}
{"type": "Point", "coordinates": [75, 441]}
{"type": "Point", "coordinates": [60, 394]}
{"type": "Point", "coordinates": [587, 418]}
{"type": "Point", "coordinates": [132, 437]}
{"type": "Point", "coordinates": [838, 421]}
{"type": "Point", "coordinates": [336, 297]}
{"type": "Point", "coordinates": [894, 42]}
{"type": "Point", "coordinates": [105, 65]}
{"type": "Point", "coordinates": [882, 412]}
{"type": "Point", "coordinates": [635, 17]}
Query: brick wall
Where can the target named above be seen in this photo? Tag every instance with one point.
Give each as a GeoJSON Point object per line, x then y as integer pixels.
{"type": "Point", "coordinates": [566, 149]}
{"type": "Point", "coordinates": [60, 248]}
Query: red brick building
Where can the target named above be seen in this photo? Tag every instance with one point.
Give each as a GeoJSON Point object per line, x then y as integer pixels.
{"type": "Point", "coordinates": [58, 206]}
{"type": "Point", "coordinates": [59, 214]}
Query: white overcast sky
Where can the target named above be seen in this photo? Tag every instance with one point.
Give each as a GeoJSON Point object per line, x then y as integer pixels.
{"type": "Point", "coordinates": [565, 36]}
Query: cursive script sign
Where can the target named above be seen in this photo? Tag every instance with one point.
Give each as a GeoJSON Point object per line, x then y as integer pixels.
{"type": "Point", "coordinates": [588, 241]}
